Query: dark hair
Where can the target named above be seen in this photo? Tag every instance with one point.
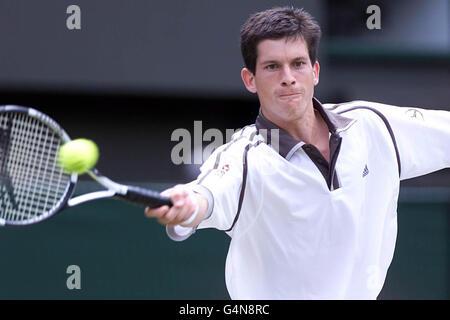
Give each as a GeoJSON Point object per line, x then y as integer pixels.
{"type": "Point", "coordinates": [277, 23]}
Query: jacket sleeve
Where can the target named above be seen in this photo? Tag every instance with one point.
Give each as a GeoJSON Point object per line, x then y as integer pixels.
{"type": "Point", "coordinates": [220, 182]}
{"type": "Point", "coordinates": [422, 137]}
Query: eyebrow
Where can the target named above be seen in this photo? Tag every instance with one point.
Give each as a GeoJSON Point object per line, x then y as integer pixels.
{"type": "Point", "coordinates": [303, 58]}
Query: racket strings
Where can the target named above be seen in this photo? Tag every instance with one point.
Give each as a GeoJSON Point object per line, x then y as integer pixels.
{"type": "Point", "coordinates": [32, 183]}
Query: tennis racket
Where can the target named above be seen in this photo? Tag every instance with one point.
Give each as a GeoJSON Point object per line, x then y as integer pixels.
{"type": "Point", "coordinates": [33, 187]}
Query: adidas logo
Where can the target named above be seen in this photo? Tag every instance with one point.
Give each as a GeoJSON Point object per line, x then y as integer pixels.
{"type": "Point", "coordinates": [365, 171]}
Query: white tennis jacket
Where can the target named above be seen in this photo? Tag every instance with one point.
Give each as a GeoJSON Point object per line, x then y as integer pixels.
{"type": "Point", "coordinates": [301, 228]}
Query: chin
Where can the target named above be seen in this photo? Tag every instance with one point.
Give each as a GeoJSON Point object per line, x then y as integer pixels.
{"type": "Point", "coordinates": [294, 105]}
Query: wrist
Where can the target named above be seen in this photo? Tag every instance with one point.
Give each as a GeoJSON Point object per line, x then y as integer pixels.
{"type": "Point", "coordinates": [188, 221]}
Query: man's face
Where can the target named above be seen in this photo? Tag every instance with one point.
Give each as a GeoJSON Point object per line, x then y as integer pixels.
{"type": "Point", "coordinates": [284, 79]}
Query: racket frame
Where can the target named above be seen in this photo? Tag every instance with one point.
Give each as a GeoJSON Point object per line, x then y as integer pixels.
{"type": "Point", "coordinates": [131, 194]}
{"type": "Point", "coordinates": [70, 187]}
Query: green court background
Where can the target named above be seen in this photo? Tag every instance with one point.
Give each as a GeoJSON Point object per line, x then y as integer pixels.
{"type": "Point", "coordinates": [123, 255]}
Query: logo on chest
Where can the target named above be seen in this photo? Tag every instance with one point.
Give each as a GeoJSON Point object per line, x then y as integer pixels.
{"type": "Point", "coordinates": [221, 172]}
{"type": "Point", "coordinates": [365, 171]}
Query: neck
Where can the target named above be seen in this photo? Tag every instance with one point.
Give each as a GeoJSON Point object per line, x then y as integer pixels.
{"type": "Point", "coordinates": [310, 128]}
{"type": "Point", "coordinates": [306, 128]}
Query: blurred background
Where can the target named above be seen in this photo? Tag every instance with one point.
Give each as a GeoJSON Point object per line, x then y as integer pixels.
{"type": "Point", "coordinates": [138, 70]}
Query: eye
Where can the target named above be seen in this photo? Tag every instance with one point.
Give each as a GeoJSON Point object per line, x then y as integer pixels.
{"type": "Point", "coordinates": [270, 66]}
{"type": "Point", "coordinates": [298, 64]}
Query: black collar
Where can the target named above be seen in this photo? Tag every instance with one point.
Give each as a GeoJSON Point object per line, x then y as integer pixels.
{"type": "Point", "coordinates": [334, 121]}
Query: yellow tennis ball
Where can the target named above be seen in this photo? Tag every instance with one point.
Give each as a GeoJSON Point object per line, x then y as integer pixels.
{"type": "Point", "coordinates": [78, 155]}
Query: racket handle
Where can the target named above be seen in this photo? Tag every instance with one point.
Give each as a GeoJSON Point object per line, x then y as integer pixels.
{"type": "Point", "coordinates": [146, 198]}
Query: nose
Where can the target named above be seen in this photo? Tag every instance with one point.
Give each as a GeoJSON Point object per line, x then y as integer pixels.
{"type": "Point", "coordinates": [287, 79]}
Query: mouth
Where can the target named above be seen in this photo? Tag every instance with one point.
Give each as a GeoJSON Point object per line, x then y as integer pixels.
{"type": "Point", "coordinates": [290, 95]}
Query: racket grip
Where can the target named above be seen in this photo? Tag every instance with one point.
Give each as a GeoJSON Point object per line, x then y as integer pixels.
{"type": "Point", "coordinates": [145, 197]}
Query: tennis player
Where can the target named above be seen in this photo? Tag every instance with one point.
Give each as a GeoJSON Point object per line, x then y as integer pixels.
{"type": "Point", "coordinates": [310, 205]}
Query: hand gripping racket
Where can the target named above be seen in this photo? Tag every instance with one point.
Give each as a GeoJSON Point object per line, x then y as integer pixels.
{"type": "Point", "coordinates": [33, 187]}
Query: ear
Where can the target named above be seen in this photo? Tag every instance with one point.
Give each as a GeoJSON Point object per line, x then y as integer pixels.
{"type": "Point", "coordinates": [249, 80]}
{"type": "Point", "coordinates": [316, 71]}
